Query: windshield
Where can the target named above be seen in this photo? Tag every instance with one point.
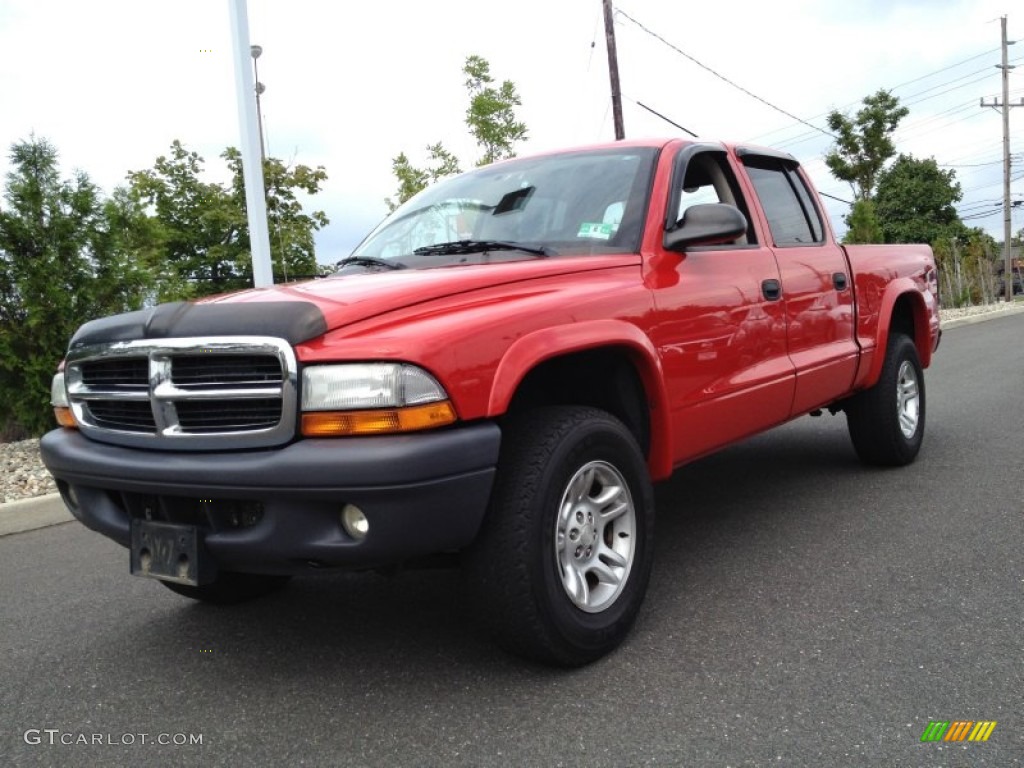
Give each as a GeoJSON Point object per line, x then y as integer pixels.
{"type": "Point", "coordinates": [573, 203]}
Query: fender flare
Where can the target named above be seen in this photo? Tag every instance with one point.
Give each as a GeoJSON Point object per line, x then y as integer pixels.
{"type": "Point", "coordinates": [529, 351]}
{"type": "Point", "coordinates": [895, 291]}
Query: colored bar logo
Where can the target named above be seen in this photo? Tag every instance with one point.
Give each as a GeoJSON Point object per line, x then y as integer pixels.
{"type": "Point", "coordinates": [958, 730]}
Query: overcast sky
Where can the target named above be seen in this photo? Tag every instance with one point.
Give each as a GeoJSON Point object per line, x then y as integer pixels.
{"type": "Point", "coordinates": [349, 85]}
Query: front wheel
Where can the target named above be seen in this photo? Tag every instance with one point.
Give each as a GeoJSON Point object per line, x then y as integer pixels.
{"type": "Point", "coordinates": [886, 422]}
{"type": "Point", "coordinates": [561, 564]}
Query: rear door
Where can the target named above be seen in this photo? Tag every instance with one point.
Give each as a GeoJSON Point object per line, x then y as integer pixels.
{"type": "Point", "coordinates": [817, 286]}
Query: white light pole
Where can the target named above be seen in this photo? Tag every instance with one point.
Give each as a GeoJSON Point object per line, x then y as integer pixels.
{"type": "Point", "coordinates": [256, 51]}
{"type": "Point", "coordinates": [252, 165]}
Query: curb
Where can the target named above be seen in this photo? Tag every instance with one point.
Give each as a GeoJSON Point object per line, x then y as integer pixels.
{"type": "Point", "coordinates": [981, 317]}
{"type": "Point", "coordinates": [33, 513]}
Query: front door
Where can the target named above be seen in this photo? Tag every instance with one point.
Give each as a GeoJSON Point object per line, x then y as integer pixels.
{"type": "Point", "coordinates": [720, 326]}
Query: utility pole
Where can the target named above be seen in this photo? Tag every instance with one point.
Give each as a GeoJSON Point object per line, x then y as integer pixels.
{"type": "Point", "coordinates": [613, 69]}
{"type": "Point", "coordinates": [1005, 105]}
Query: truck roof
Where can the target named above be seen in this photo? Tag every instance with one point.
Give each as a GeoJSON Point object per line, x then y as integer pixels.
{"type": "Point", "coordinates": [739, 148]}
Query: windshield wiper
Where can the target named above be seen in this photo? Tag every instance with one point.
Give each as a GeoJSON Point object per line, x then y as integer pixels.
{"type": "Point", "coordinates": [479, 246]}
{"type": "Point", "coordinates": [371, 261]}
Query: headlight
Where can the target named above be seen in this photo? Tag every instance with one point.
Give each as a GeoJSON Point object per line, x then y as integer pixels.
{"type": "Point", "coordinates": [59, 401]}
{"type": "Point", "coordinates": [371, 398]}
{"type": "Point", "coordinates": [375, 385]}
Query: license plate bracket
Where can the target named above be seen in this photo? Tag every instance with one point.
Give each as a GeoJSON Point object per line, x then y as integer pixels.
{"type": "Point", "coordinates": [169, 552]}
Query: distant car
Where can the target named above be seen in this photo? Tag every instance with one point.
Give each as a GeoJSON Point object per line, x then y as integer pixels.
{"type": "Point", "coordinates": [1018, 282]}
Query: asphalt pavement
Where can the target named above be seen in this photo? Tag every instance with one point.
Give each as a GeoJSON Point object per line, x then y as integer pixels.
{"type": "Point", "coordinates": [804, 611]}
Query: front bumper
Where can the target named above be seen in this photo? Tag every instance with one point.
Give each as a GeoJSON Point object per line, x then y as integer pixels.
{"type": "Point", "coordinates": [278, 510]}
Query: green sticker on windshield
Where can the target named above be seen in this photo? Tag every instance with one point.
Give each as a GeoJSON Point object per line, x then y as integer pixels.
{"type": "Point", "coordinates": [596, 229]}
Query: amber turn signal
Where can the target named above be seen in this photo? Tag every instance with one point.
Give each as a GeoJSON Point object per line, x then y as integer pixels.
{"type": "Point", "coordinates": [379, 421]}
{"type": "Point", "coordinates": [64, 417]}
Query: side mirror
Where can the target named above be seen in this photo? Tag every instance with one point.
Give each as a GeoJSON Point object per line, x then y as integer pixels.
{"type": "Point", "coordinates": [709, 224]}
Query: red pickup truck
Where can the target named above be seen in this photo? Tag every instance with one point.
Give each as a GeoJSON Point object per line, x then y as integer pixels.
{"type": "Point", "coordinates": [499, 371]}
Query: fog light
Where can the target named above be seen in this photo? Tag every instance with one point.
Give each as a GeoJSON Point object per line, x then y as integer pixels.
{"type": "Point", "coordinates": [354, 522]}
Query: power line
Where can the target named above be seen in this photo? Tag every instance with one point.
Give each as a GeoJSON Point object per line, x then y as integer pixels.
{"type": "Point", "coordinates": [897, 87]}
{"type": "Point", "coordinates": [963, 107]}
{"type": "Point", "coordinates": [944, 69]}
{"type": "Point", "coordinates": [971, 151]}
{"type": "Point", "coordinates": [798, 139]}
{"type": "Point", "coordinates": [982, 186]}
{"type": "Point", "coordinates": [970, 209]}
{"type": "Point", "coordinates": [722, 77]}
{"type": "Point", "coordinates": [969, 165]}
{"type": "Point", "coordinates": [904, 132]}
{"type": "Point", "coordinates": [948, 90]}
{"type": "Point", "coordinates": [950, 82]}
{"type": "Point", "coordinates": [997, 209]}
{"type": "Point", "coordinates": [960, 108]}
{"type": "Point", "coordinates": [833, 197]}
{"type": "Point", "coordinates": [913, 129]}
{"type": "Point", "coordinates": [981, 216]}
{"type": "Point", "coordinates": [667, 120]}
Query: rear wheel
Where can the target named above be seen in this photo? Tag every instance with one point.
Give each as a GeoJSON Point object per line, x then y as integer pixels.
{"type": "Point", "coordinates": [560, 567]}
{"type": "Point", "coordinates": [886, 422]}
{"type": "Point", "coordinates": [231, 587]}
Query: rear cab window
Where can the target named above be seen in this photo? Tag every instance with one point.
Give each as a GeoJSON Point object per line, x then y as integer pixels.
{"type": "Point", "coordinates": [793, 217]}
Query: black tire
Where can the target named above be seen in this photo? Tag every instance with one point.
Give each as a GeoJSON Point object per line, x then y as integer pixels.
{"type": "Point", "coordinates": [514, 569]}
{"type": "Point", "coordinates": [230, 587]}
{"type": "Point", "coordinates": [887, 421]}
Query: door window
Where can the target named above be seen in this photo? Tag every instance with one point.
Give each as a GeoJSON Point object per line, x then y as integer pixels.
{"type": "Point", "coordinates": [709, 179]}
{"type": "Point", "coordinates": [792, 216]}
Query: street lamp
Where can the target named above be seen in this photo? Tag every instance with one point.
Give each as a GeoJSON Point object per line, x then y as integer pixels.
{"type": "Point", "coordinates": [256, 51]}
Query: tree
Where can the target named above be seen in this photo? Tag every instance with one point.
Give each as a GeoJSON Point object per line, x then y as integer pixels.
{"type": "Point", "coordinates": [864, 143]}
{"type": "Point", "coordinates": [197, 223]}
{"type": "Point", "coordinates": [491, 116]}
{"type": "Point", "coordinates": [491, 120]}
{"type": "Point", "coordinates": [292, 249]}
{"type": "Point", "coordinates": [965, 261]}
{"type": "Point", "coordinates": [411, 179]}
{"type": "Point", "coordinates": [201, 228]}
{"type": "Point", "coordinates": [141, 269]}
{"type": "Point", "coordinates": [914, 202]}
{"type": "Point", "coordinates": [863, 224]}
{"type": "Point", "coordinates": [66, 256]}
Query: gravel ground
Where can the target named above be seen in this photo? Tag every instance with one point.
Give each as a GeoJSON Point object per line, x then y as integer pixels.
{"type": "Point", "coordinates": [984, 309]}
{"type": "Point", "coordinates": [22, 474]}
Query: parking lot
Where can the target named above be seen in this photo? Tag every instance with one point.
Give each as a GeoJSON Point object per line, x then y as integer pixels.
{"type": "Point", "coordinates": [804, 611]}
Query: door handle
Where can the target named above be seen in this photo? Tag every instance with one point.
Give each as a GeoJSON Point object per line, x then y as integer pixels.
{"type": "Point", "coordinates": [839, 281]}
{"type": "Point", "coordinates": [771, 289]}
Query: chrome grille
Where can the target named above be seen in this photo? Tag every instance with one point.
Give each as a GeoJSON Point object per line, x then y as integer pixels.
{"type": "Point", "coordinates": [185, 394]}
{"type": "Point", "coordinates": [130, 416]}
{"type": "Point", "coordinates": [126, 372]}
{"type": "Point", "coordinates": [198, 416]}
{"type": "Point", "coordinates": [201, 370]}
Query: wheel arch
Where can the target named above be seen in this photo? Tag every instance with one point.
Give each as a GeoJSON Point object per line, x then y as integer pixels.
{"type": "Point", "coordinates": [608, 364]}
{"type": "Point", "coordinates": [903, 310]}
